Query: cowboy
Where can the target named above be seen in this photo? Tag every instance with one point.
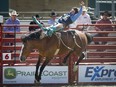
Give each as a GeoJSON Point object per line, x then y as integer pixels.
{"type": "Point", "coordinates": [83, 19]}
{"type": "Point", "coordinates": [53, 19]}
{"type": "Point", "coordinates": [63, 21]}
{"type": "Point", "coordinates": [12, 20]}
{"type": "Point", "coordinates": [34, 28]}
{"type": "Point", "coordinates": [105, 19]}
{"type": "Point", "coordinates": [1, 19]}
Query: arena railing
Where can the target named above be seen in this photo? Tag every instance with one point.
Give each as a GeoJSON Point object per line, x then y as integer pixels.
{"type": "Point", "coordinates": [101, 53]}
{"type": "Point", "coordinates": [90, 47]}
{"type": "Point", "coordinates": [92, 56]}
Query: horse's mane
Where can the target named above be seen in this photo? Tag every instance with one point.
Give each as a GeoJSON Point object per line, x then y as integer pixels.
{"type": "Point", "coordinates": [36, 35]}
{"type": "Point", "coordinates": [31, 36]}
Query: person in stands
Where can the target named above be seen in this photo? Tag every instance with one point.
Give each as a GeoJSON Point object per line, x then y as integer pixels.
{"type": "Point", "coordinates": [53, 19]}
{"type": "Point", "coordinates": [104, 20]}
{"type": "Point", "coordinates": [83, 19]}
{"type": "Point", "coordinates": [63, 21]}
{"type": "Point", "coordinates": [34, 28]}
{"type": "Point", "coordinates": [12, 20]}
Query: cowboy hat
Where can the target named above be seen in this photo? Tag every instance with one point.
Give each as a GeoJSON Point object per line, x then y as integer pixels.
{"type": "Point", "coordinates": [84, 8]}
{"type": "Point", "coordinates": [13, 13]}
{"type": "Point", "coordinates": [37, 16]}
{"type": "Point", "coordinates": [106, 13]}
{"type": "Point", "coordinates": [53, 14]}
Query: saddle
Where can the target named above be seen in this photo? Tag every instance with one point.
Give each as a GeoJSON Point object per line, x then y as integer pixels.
{"type": "Point", "coordinates": [58, 33]}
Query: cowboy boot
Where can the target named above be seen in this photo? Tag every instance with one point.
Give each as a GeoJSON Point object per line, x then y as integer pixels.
{"type": "Point", "coordinates": [38, 23]}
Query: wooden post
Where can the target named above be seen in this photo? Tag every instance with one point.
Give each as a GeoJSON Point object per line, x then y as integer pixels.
{"type": "Point", "coordinates": [72, 74]}
{"type": "Point", "coordinates": [1, 62]}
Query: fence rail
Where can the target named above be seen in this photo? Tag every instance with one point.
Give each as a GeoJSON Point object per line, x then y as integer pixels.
{"type": "Point", "coordinates": [93, 52]}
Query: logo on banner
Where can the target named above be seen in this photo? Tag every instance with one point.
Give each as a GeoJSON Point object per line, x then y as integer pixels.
{"type": "Point", "coordinates": [25, 74]}
{"type": "Point", "coordinates": [100, 73]}
{"type": "Point", "coordinates": [10, 73]}
{"type": "Point", "coordinates": [6, 56]}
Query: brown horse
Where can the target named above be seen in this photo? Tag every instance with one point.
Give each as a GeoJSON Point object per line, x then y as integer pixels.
{"type": "Point", "coordinates": [72, 41]}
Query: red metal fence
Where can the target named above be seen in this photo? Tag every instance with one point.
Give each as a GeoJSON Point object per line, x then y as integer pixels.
{"type": "Point", "coordinates": [92, 55]}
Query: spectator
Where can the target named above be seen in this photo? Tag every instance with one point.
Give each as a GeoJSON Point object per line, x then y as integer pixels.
{"type": "Point", "coordinates": [1, 19]}
{"type": "Point", "coordinates": [53, 19]}
{"type": "Point", "coordinates": [104, 20]}
{"type": "Point", "coordinates": [12, 20]}
{"type": "Point", "coordinates": [83, 19]}
{"type": "Point", "coordinates": [33, 28]}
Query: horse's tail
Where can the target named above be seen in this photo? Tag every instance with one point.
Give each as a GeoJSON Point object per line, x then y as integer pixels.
{"type": "Point", "coordinates": [89, 37]}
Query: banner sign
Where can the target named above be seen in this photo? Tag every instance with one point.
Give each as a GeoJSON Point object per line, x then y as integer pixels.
{"type": "Point", "coordinates": [97, 73]}
{"type": "Point", "coordinates": [26, 74]}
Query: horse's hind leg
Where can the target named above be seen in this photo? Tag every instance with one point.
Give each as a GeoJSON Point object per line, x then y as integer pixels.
{"type": "Point", "coordinates": [76, 66]}
{"type": "Point", "coordinates": [78, 61]}
{"type": "Point", "coordinates": [80, 58]}
{"type": "Point", "coordinates": [37, 68]}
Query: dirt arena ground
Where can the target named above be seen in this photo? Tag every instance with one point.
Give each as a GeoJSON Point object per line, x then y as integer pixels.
{"type": "Point", "coordinates": [67, 86]}
{"type": "Point", "coordinates": [80, 86]}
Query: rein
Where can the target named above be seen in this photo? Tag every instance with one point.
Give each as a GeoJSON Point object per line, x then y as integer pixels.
{"type": "Point", "coordinates": [76, 40]}
{"type": "Point", "coordinates": [58, 35]}
{"type": "Point", "coordinates": [60, 39]}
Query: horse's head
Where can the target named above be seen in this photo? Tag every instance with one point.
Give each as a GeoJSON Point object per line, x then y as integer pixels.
{"type": "Point", "coordinates": [28, 44]}
{"type": "Point", "coordinates": [24, 50]}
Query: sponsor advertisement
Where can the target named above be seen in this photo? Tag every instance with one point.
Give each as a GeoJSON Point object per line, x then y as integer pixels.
{"type": "Point", "coordinates": [26, 74]}
{"type": "Point", "coordinates": [97, 73]}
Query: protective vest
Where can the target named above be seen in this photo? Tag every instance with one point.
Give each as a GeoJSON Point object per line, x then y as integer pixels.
{"type": "Point", "coordinates": [65, 19]}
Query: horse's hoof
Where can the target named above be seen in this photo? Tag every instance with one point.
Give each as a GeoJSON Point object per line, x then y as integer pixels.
{"type": "Point", "coordinates": [75, 68]}
{"type": "Point", "coordinates": [37, 82]}
{"type": "Point", "coordinates": [22, 60]}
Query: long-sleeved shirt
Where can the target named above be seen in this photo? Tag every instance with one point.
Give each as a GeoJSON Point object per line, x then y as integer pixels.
{"type": "Point", "coordinates": [12, 29]}
{"type": "Point", "coordinates": [104, 28]}
{"type": "Point", "coordinates": [84, 19]}
{"type": "Point", "coordinates": [69, 18]}
{"type": "Point", "coordinates": [53, 21]}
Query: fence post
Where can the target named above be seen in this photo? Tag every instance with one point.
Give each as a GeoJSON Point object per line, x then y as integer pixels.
{"type": "Point", "coordinates": [1, 62]}
{"type": "Point", "coordinates": [71, 73]}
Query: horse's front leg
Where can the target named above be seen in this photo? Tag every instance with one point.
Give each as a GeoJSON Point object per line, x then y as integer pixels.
{"type": "Point", "coordinates": [78, 61]}
{"type": "Point", "coordinates": [43, 66]}
{"type": "Point", "coordinates": [37, 68]}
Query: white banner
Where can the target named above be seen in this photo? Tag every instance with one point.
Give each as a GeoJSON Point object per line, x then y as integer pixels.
{"type": "Point", "coordinates": [26, 74]}
{"type": "Point", "coordinates": [97, 73]}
